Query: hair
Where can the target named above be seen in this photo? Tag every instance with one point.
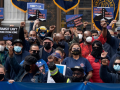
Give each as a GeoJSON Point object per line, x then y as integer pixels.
{"type": "Point", "coordinates": [98, 43]}
{"type": "Point", "coordinates": [61, 50]}
{"type": "Point", "coordinates": [67, 30]}
{"type": "Point", "coordinates": [117, 58]}
{"type": "Point", "coordinates": [70, 49]}
{"type": "Point", "coordinates": [94, 31]}
{"type": "Point", "coordinates": [79, 29]}
{"type": "Point", "coordinates": [1, 66]}
{"type": "Point", "coordinates": [33, 45]}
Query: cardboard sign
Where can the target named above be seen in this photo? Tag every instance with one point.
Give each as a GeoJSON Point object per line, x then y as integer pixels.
{"type": "Point", "coordinates": [74, 20]}
{"type": "Point", "coordinates": [62, 69]}
{"type": "Point", "coordinates": [36, 10]}
{"type": "Point", "coordinates": [9, 33]}
{"type": "Point", "coordinates": [1, 13]}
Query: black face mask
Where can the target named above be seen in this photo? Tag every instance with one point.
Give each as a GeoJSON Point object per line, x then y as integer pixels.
{"type": "Point", "coordinates": [76, 52]}
{"type": "Point", "coordinates": [96, 52]}
{"type": "Point", "coordinates": [67, 38]}
{"type": "Point", "coordinates": [1, 76]}
{"type": "Point", "coordinates": [61, 44]}
{"type": "Point", "coordinates": [27, 68]}
{"type": "Point", "coordinates": [31, 41]}
{"type": "Point", "coordinates": [47, 46]}
{"type": "Point", "coordinates": [36, 55]}
{"type": "Point", "coordinates": [75, 79]}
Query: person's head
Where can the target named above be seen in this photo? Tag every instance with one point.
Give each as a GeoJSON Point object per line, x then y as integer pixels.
{"type": "Point", "coordinates": [111, 33]}
{"type": "Point", "coordinates": [62, 30]}
{"type": "Point", "coordinates": [80, 33]}
{"type": "Point", "coordinates": [87, 37]}
{"type": "Point", "coordinates": [116, 64]}
{"type": "Point", "coordinates": [48, 43]}
{"type": "Point", "coordinates": [2, 46]}
{"type": "Point", "coordinates": [95, 34]}
{"type": "Point", "coordinates": [2, 72]}
{"type": "Point", "coordinates": [75, 49]}
{"type": "Point", "coordinates": [67, 35]}
{"type": "Point", "coordinates": [96, 49]}
{"type": "Point", "coordinates": [34, 51]}
{"type": "Point", "coordinates": [42, 31]}
{"type": "Point", "coordinates": [30, 64]}
{"type": "Point", "coordinates": [61, 52]}
{"type": "Point", "coordinates": [18, 46]}
{"type": "Point", "coordinates": [59, 40]}
{"type": "Point", "coordinates": [78, 73]}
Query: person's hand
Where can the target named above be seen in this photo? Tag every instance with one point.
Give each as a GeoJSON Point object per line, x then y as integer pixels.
{"type": "Point", "coordinates": [85, 24]}
{"type": "Point", "coordinates": [104, 54]}
{"type": "Point", "coordinates": [75, 33]}
{"type": "Point", "coordinates": [50, 59]}
{"type": "Point", "coordinates": [10, 49]}
{"type": "Point", "coordinates": [52, 28]}
{"type": "Point", "coordinates": [105, 62]}
{"type": "Point", "coordinates": [85, 82]}
{"type": "Point", "coordinates": [112, 22]}
{"type": "Point", "coordinates": [36, 22]}
{"type": "Point", "coordinates": [11, 81]}
{"type": "Point", "coordinates": [103, 24]}
{"type": "Point", "coordinates": [22, 24]}
{"type": "Point", "coordinates": [11, 25]}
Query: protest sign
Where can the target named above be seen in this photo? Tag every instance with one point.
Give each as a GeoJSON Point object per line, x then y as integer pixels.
{"type": "Point", "coordinates": [74, 20]}
{"type": "Point", "coordinates": [9, 33]}
{"type": "Point", "coordinates": [41, 15]}
{"type": "Point", "coordinates": [61, 68]}
{"type": "Point", "coordinates": [1, 13]}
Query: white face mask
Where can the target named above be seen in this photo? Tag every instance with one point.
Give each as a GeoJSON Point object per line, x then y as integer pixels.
{"type": "Point", "coordinates": [80, 36]}
{"type": "Point", "coordinates": [89, 39]}
{"type": "Point", "coordinates": [2, 48]}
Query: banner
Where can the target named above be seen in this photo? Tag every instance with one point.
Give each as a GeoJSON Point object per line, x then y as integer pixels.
{"type": "Point", "coordinates": [74, 20]}
{"type": "Point", "coordinates": [62, 69]}
{"type": "Point", "coordinates": [9, 33]}
{"type": "Point", "coordinates": [21, 4]}
{"type": "Point", "coordinates": [1, 13]}
{"type": "Point", "coordinates": [66, 5]}
{"type": "Point", "coordinates": [104, 9]}
{"type": "Point", "coordinates": [58, 86]}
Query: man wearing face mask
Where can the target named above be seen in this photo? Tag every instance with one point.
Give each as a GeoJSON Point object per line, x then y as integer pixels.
{"type": "Point", "coordinates": [77, 76]}
{"type": "Point", "coordinates": [29, 72]}
{"type": "Point", "coordinates": [19, 55]}
{"type": "Point", "coordinates": [3, 52]}
{"type": "Point", "coordinates": [47, 48]}
{"type": "Point", "coordinates": [94, 34]}
{"type": "Point", "coordinates": [60, 42]}
{"type": "Point", "coordinates": [108, 77]}
{"type": "Point", "coordinates": [88, 39]}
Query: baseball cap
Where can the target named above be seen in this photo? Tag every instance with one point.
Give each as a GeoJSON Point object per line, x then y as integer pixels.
{"type": "Point", "coordinates": [57, 55]}
{"type": "Point", "coordinates": [51, 39]}
{"type": "Point", "coordinates": [79, 68]}
{"type": "Point", "coordinates": [17, 41]}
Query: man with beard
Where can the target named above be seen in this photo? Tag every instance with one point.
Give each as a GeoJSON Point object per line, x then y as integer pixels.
{"type": "Point", "coordinates": [78, 73]}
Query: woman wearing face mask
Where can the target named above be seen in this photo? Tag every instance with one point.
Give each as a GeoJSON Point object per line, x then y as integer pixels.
{"type": "Point", "coordinates": [95, 61]}
{"type": "Point", "coordinates": [67, 35]}
{"type": "Point", "coordinates": [75, 59]}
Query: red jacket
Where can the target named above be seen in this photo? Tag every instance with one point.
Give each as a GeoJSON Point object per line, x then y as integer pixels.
{"type": "Point", "coordinates": [96, 68]}
{"type": "Point", "coordinates": [87, 49]}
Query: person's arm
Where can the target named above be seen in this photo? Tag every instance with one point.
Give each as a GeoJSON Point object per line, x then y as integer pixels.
{"type": "Point", "coordinates": [21, 31]}
{"type": "Point", "coordinates": [104, 27]}
{"type": "Point", "coordinates": [31, 26]}
{"type": "Point", "coordinates": [51, 29]}
{"type": "Point", "coordinates": [84, 26]}
{"type": "Point", "coordinates": [36, 24]}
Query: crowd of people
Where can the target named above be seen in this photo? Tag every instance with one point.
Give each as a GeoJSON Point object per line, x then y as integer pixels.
{"type": "Point", "coordinates": [89, 55]}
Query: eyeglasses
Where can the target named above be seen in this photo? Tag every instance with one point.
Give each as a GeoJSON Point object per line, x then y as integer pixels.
{"type": "Point", "coordinates": [77, 73]}
{"type": "Point", "coordinates": [35, 51]}
{"type": "Point", "coordinates": [117, 63]}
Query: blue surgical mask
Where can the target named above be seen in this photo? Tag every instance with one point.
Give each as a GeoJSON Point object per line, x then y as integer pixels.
{"type": "Point", "coordinates": [95, 37]}
{"type": "Point", "coordinates": [116, 67]}
{"type": "Point", "coordinates": [42, 34]}
{"type": "Point", "coordinates": [17, 49]}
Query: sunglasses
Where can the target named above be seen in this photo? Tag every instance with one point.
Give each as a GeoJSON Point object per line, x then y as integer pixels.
{"type": "Point", "coordinates": [35, 51]}
{"type": "Point", "coordinates": [117, 63]}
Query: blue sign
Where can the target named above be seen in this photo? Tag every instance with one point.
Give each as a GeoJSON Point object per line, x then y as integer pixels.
{"type": "Point", "coordinates": [41, 15]}
{"type": "Point", "coordinates": [21, 4]}
{"type": "Point", "coordinates": [35, 6]}
{"type": "Point", "coordinates": [58, 86]}
{"type": "Point", "coordinates": [1, 13]}
{"type": "Point", "coordinates": [104, 9]}
{"type": "Point", "coordinates": [74, 20]}
{"type": "Point", "coordinates": [66, 5]}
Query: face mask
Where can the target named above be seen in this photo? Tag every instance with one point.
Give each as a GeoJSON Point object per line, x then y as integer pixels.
{"type": "Point", "coordinates": [116, 67]}
{"type": "Point", "coordinates": [80, 36]}
{"type": "Point", "coordinates": [61, 44]}
{"type": "Point", "coordinates": [42, 35]}
{"type": "Point", "coordinates": [95, 37]}
{"type": "Point", "coordinates": [31, 40]}
{"type": "Point", "coordinates": [1, 76]}
{"type": "Point", "coordinates": [96, 52]}
{"type": "Point", "coordinates": [67, 38]}
{"type": "Point", "coordinates": [27, 68]}
{"type": "Point", "coordinates": [89, 39]}
{"type": "Point", "coordinates": [75, 79]}
{"type": "Point", "coordinates": [47, 46]}
{"type": "Point", "coordinates": [36, 55]}
{"type": "Point", "coordinates": [1, 48]}
{"type": "Point", "coordinates": [76, 52]}
{"type": "Point", "coordinates": [113, 36]}
{"type": "Point", "coordinates": [17, 49]}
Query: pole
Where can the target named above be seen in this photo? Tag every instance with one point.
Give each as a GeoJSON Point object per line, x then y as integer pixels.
{"type": "Point", "coordinates": [25, 19]}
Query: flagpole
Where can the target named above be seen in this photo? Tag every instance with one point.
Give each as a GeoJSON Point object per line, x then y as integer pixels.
{"type": "Point", "coordinates": [66, 23]}
{"type": "Point", "coordinates": [25, 19]}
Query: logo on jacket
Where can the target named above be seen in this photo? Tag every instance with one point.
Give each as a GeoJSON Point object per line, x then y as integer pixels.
{"type": "Point", "coordinates": [82, 65]}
